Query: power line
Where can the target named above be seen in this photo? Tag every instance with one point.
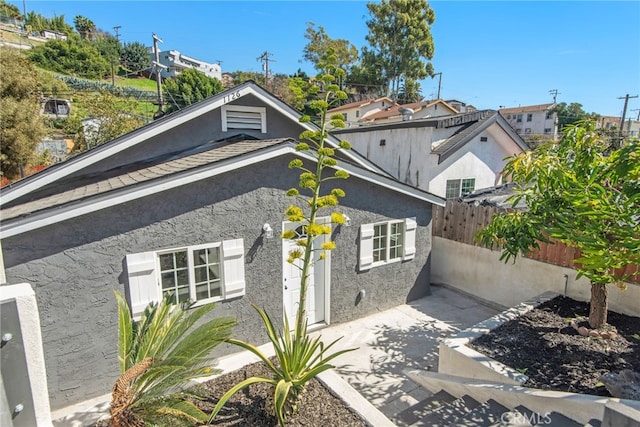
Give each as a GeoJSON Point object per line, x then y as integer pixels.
{"type": "Point", "coordinates": [555, 93]}
{"type": "Point", "coordinates": [265, 58]}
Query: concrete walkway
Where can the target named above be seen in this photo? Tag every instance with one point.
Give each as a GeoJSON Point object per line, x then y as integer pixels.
{"type": "Point", "coordinates": [403, 337]}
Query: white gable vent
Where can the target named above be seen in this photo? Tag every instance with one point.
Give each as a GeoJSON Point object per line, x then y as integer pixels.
{"type": "Point", "coordinates": [242, 117]}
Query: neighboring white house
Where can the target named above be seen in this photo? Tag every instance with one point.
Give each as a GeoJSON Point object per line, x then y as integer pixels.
{"type": "Point", "coordinates": [411, 111]}
{"type": "Point", "coordinates": [448, 156]}
{"type": "Point", "coordinates": [53, 35]}
{"type": "Point", "coordinates": [177, 62]}
{"type": "Point", "coordinates": [533, 121]}
{"type": "Point", "coordinates": [356, 112]}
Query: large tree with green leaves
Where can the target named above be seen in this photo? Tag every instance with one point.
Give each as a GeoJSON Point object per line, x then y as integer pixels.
{"type": "Point", "coordinates": [37, 22]}
{"type": "Point", "coordinates": [21, 126]}
{"type": "Point", "coordinates": [400, 39]}
{"type": "Point", "coordinates": [320, 42]}
{"type": "Point", "coordinates": [189, 87]}
{"type": "Point", "coordinates": [569, 114]}
{"type": "Point", "coordinates": [73, 56]}
{"type": "Point", "coordinates": [85, 27]}
{"type": "Point", "coordinates": [584, 193]}
{"type": "Point", "coordinates": [136, 57]}
{"type": "Point", "coordinates": [9, 10]}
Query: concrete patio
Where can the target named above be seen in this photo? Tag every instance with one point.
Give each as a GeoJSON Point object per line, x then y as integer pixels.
{"type": "Point", "coordinates": [388, 342]}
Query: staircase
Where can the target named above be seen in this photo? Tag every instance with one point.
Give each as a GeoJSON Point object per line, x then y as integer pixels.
{"type": "Point", "coordinates": [443, 409]}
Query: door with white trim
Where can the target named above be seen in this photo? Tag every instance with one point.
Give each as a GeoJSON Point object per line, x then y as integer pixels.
{"type": "Point", "coordinates": [317, 298]}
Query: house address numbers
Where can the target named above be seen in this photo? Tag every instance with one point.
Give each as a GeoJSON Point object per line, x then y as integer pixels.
{"type": "Point", "coordinates": [231, 96]}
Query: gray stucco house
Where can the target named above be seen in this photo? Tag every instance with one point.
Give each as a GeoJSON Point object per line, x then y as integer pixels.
{"type": "Point", "coordinates": [185, 204]}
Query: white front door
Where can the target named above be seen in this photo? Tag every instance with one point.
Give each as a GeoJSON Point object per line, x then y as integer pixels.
{"type": "Point", "coordinates": [316, 305]}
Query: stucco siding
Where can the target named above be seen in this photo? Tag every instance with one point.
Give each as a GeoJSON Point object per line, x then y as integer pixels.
{"type": "Point", "coordinates": [75, 266]}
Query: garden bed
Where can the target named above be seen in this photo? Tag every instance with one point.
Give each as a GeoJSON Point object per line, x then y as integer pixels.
{"type": "Point", "coordinates": [543, 345]}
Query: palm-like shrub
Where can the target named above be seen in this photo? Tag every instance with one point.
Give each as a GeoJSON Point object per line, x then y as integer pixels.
{"type": "Point", "coordinates": [159, 356]}
{"type": "Point", "coordinates": [299, 357]}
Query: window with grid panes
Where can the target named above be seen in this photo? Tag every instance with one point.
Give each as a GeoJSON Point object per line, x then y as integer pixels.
{"type": "Point", "coordinates": [387, 241]}
{"type": "Point", "coordinates": [468, 185]}
{"type": "Point", "coordinates": [453, 189]}
{"type": "Point", "coordinates": [200, 266]}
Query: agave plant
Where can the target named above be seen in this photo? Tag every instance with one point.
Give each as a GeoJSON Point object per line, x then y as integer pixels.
{"type": "Point", "coordinates": [299, 357]}
{"type": "Point", "coordinates": [159, 356]}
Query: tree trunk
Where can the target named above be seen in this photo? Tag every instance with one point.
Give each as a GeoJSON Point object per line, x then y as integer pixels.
{"type": "Point", "coordinates": [598, 306]}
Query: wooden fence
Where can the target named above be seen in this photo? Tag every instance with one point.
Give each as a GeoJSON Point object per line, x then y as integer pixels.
{"type": "Point", "coordinates": [461, 221]}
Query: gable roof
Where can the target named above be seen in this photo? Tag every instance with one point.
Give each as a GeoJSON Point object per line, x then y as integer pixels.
{"type": "Point", "coordinates": [472, 129]}
{"type": "Point", "coordinates": [415, 106]}
{"type": "Point", "coordinates": [90, 157]}
{"type": "Point", "coordinates": [193, 165]}
{"type": "Point", "coordinates": [527, 109]}
{"type": "Point", "coordinates": [360, 104]}
{"type": "Point", "coordinates": [465, 127]}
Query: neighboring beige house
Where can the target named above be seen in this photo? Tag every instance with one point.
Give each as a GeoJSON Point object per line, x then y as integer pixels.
{"type": "Point", "coordinates": [411, 111]}
{"type": "Point", "coordinates": [533, 121]}
{"type": "Point", "coordinates": [356, 112]}
{"type": "Point", "coordinates": [175, 62]}
{"type": "Point", "coordinates": [630, 128]}
{"type": "Point", "coordinates": [449, 156]}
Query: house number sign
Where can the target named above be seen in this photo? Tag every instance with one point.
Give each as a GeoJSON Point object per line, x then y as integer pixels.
{"type": "Point", "coordinates": [231, 96]}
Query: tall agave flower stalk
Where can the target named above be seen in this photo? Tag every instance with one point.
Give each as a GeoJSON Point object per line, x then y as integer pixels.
{"type": "Point", "coordinates": [300, 357]}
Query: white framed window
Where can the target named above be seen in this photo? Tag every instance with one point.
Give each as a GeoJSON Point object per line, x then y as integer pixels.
{"type": "Point", "coordinates": [243, 117]}
{"type": "Point", "coordinates": [202, 273]}
{"type": "Point", "coordinates": [547, 130]}
{"type": "Point", "coordinates": [459, 187]}
{"type": "Point", "coordinates": [467, 187]}
{"type": "Point", "coordinates": [452, 190]}
{"type": "Point", "coordinates": [519, 118]}
{"type": "Point", "coordinates": [529, 117]}
{"type": "Point", "coordinates": [387, 242]}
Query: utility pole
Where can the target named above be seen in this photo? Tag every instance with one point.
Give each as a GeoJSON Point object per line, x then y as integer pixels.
{"type": "Point", "coordinates": [265, 58]}
{"type": "Point", "coordinates": [157, 66]}
{"type": "Point", "coordinates": [624, 113]}
{"type": "Point", "coordinates": [638, 110]}
{"type": "Point", "coordinates": [116, 28]}
{"type": "Point", "coordinates": [439, 82]}
{"type": "Point", "coordinates": [555, 93]}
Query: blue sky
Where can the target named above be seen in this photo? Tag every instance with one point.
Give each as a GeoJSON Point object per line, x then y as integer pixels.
{"type": "Point", "coordinates": [490, 53]}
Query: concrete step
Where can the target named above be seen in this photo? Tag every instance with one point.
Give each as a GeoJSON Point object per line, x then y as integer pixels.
{"type": "Point", "coordinates": [487, 414]}
{"type": "Point", "coordinates": [551, 419]}
{"type": "Point", "coordinates": [449, 414]}
{"type": "Point", "coordinates": [413, 414]}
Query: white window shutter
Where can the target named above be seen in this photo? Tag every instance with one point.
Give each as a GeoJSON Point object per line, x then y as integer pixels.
{"type": "Point", "coordinates": [233, 268]}
{"type": "Point", "coordinates": [410, 227]}
{"type": "Point", "coordinates": [366, 246]}
{"type": "Point", "coordinates": [143, 281]}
